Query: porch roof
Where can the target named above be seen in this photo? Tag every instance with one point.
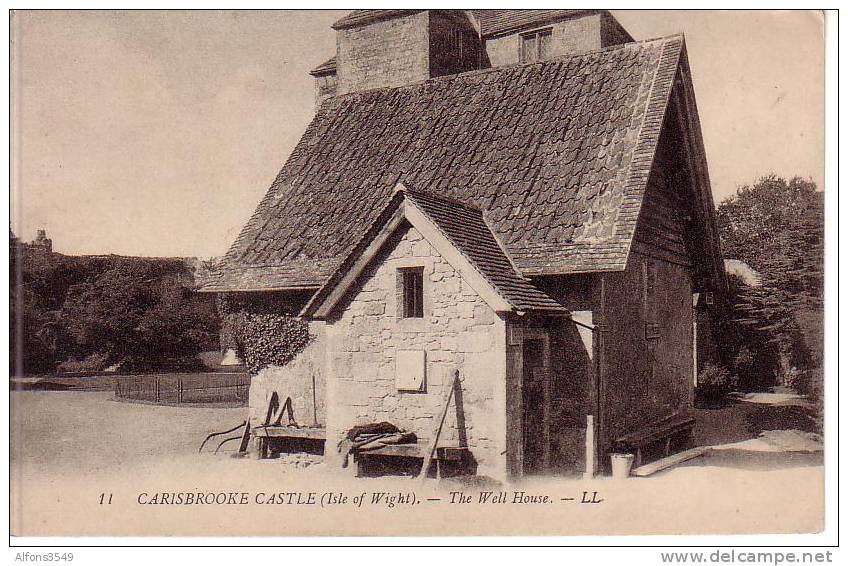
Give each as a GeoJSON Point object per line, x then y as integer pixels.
{"type": "Point", "coordinates": [464, 228]}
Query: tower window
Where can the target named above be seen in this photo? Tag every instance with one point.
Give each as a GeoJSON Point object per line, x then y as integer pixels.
{"type": "Point", "coordinates": [535, 46]}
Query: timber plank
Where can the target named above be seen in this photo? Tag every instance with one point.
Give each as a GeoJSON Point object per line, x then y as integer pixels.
{"type": "Point", "coordinates": [290, 432]}
{"type": "Point", "coordinates": [668, 461]}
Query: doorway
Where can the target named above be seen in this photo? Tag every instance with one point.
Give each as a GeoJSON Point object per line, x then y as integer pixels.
{"type": "Point", "coordinates": [535, 403]}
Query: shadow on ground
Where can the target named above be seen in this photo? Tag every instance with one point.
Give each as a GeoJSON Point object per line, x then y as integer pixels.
{"type": "Point", "coordinates": [737, 420]}
{"type": "Point", "coordinates": [758, 432]}
{"type": "Point", "coordinates": [757, 460]}
{"type": "Point", "coordinates": [780, 417]}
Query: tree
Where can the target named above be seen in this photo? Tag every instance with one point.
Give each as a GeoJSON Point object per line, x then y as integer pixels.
{"type": "Point", "coordinates": [87, 312]}
{"type": "Point", "coordinates": [777, 228]}
{"type": "Point", "coordinates": [101, 315]}
{"type": "Point", "coordinates": [180, 323]}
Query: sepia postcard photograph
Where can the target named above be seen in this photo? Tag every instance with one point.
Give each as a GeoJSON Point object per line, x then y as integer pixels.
{"type": "Point", "coordinates": [419, 273]}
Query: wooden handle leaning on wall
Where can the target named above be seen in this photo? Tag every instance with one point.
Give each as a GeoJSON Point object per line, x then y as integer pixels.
{"type": "Point", "coordinates": [431, 449]}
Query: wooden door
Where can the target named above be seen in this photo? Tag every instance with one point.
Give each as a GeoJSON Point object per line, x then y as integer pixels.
{"type": "Point", "coordinates": [534, 406]}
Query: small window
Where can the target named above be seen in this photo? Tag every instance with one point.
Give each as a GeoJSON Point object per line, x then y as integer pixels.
{"type": "Point", "coordinates": [413, 292]}
{"type": "Point", "coordinates": [528, 48]}
{"type": "Point", "coordinates": [535, 46]}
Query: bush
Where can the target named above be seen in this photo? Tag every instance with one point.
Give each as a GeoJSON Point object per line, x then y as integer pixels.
{"type": "Point", "coordinates": [92, 363]}
{"type": "Point", "coordinates": [810, 383]}
{"type": "Point", "coordinates": [743, 362]}
{"type": "Point", "coordinates": [714, 382]}
{"type": "Point", "coordinates": [144, 364]}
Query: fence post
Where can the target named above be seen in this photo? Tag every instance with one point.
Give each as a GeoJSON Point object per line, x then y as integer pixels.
{"type": "Point", "coordinates": [179, 390]}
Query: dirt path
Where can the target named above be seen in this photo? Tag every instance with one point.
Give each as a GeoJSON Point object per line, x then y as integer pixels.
{"type": "Point", "coordinates": [81, 432]}
{"type": "Point", "coordinates": [68, 448]}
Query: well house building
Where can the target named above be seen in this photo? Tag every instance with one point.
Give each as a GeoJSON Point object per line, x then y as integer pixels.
{"type": "Point", "coordinates": [521, 197]}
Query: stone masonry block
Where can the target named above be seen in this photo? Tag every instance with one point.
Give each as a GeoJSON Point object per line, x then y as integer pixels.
{"type": "Point", "coordinates": [483, 314]}
{"type": "Point", "coordinates": [479, 339]}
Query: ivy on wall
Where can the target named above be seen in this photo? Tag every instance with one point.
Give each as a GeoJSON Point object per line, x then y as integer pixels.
{"type": "Point", "coordinates": [261, 338]}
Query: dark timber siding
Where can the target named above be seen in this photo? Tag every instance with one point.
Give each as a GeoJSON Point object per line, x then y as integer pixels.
{"type": "Point", "coordinates": [663, 228]}
{"type": "Point", "coordinates": [647, 356]}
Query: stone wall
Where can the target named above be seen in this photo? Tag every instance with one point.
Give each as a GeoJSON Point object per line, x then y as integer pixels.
{"type": "Point", "coordinates": [295, 380]}
{"type": "Point", "coordinates": [325, 88]}
{"type": "Point", "coordinates": [458, 332]}
{"type": "Point", "coordinates": [386, 53]}
{"type": "Point", "coordinates": [612, 32]}
{"type": "Point", "coordinates": [412, 48]}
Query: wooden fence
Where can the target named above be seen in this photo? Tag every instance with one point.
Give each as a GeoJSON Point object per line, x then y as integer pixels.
{"type": "Point", "coordinates": [175, 389]}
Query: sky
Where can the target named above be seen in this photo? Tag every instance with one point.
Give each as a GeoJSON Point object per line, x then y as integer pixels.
{"type": "Point", "coordinates": [157, 133]}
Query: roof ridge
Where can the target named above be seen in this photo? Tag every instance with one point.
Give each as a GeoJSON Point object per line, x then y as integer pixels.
{"type": "Point", "coordinates": [481, 211]}
{"type": "Point", "coordinates": [502, 68]}
{"type": "Point", "coordinates": [501, 245]}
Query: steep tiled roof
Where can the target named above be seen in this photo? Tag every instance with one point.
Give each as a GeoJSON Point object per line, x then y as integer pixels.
{"type": "Point", "coordinates": [296, 274]}
{"type": "Point", "coordinates": [557, 153]}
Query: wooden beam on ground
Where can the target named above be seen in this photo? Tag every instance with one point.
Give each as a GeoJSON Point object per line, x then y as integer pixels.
{"type": "Point", "coordinates": [669, 461]}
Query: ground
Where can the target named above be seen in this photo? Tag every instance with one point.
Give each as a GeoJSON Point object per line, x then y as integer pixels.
{"type": "Point", "coordinates": [70, 447]}
{"type": "Point", "coordinates": [769, 430]}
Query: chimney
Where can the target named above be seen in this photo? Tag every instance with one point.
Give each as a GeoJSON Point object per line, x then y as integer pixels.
{"type": "Point", "coordinates": [382, 48]}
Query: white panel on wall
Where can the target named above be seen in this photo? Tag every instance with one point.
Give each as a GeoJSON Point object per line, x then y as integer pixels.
{"type": "Point", "coordinates": [410, 370]}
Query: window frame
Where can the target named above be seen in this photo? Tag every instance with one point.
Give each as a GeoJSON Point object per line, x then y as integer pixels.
{"type": "Point", "coordinates": [411, 292]}
{"type": "Point", "coordinates": [537, 44]}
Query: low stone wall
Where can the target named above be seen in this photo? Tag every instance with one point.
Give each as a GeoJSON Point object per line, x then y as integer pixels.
{"type": "Point", "coordinates": [295, 380]}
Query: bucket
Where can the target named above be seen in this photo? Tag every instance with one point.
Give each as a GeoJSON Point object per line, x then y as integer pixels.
{"type": "Point", "coordinates": [621, 464]}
